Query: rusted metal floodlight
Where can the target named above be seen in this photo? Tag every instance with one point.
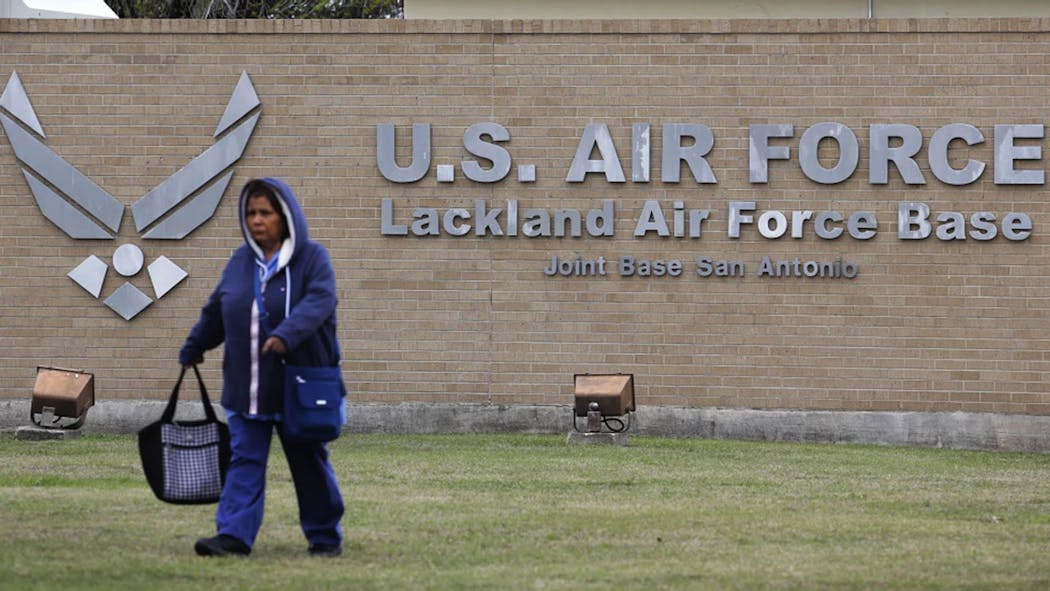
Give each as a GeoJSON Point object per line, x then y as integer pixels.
{"type": "Point", "coordinates": [61, 398]}
{"type": "Point", "coordinates": [606, 400]}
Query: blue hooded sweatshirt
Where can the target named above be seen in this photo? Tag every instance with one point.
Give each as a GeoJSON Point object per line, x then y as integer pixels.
{"type": "Point", "coordinates": [299, 299]}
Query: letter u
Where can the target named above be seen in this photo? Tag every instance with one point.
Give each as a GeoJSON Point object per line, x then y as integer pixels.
{"type": "Point", "coordinates": [386, 153]}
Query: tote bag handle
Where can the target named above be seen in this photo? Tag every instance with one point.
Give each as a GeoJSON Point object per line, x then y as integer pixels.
{"type": "Point", "coordinates": [169, 411]}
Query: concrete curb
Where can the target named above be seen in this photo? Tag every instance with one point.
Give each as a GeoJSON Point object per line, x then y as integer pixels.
{"type": "Point", "coordinates": [956, 430]}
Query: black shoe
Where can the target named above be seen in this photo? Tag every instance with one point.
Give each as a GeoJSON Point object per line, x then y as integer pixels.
{"type": "Point", "coordinates": [221, 545]}
{"type": "Point", "coordinates": [324, 550]}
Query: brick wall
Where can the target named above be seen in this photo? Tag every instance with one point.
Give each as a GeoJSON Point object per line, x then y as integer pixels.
{"type": "Point", "coordinates": [927, 325]}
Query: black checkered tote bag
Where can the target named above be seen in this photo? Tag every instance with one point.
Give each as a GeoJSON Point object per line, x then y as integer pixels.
{"type": "Point", "coordinates": [185, 461]}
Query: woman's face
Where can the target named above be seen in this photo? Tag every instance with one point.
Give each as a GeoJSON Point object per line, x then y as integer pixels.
{"type": "Point", "coordinates": [264, 223]}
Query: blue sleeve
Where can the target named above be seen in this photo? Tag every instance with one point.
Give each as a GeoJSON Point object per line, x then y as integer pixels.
{"type": "Point", "coordinates": [317, 304]}
{"type": "Point", "coordinates": [208, 333]}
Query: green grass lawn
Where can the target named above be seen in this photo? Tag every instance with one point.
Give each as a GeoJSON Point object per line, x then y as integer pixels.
{"type": "Point", "coordinates": [530, 512]}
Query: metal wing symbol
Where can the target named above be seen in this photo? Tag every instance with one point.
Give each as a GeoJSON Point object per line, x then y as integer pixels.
{"type": "Point", "coordinates": [63, 177]}
{"type": "Point", "coordinates": [200, 172]}
{"type": "Point", "coordinates": [83, 210]}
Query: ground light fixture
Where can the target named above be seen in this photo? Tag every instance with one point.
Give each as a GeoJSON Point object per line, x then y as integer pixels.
{"type": "Point", "coordinates": [61, 397]}
{"type": "Point", "coordinates": [605, 400]}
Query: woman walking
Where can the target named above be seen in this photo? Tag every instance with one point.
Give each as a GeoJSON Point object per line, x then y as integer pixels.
{"type": "Point", "coordinates": [274, 304]}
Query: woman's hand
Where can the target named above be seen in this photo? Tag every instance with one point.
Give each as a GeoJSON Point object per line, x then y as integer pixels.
{"type": "Point", "coordinates": [274, 345]}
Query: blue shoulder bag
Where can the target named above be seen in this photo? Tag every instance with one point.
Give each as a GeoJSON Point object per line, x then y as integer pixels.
{"type": "Point", "coordinates": [314, 409]}
{"type": "Point", "coordinates": [313, 402]}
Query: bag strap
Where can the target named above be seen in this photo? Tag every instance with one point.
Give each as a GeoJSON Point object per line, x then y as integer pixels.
{"type": "Point", "coordinates": [169, 410]}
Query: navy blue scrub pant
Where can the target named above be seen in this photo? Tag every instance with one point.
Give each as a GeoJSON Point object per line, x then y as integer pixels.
{"type": "Point", "coordinates": [240, 512]}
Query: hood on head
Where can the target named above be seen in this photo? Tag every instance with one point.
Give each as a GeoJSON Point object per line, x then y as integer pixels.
{"type": "Point", "coordinates": [293, 214]}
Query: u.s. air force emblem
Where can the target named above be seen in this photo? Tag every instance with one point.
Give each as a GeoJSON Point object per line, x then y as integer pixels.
{"type": "Point", "coordinates": [170, 211]}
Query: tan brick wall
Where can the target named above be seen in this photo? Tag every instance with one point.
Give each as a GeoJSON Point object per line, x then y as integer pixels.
{"type": "Point", "coordinates": [927, 325]}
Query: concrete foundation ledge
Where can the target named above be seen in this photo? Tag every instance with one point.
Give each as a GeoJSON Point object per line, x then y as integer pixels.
{"type": "Point", "coordinates": [956, 430]}
{"type": "Point", "coordinates": [618, 439]}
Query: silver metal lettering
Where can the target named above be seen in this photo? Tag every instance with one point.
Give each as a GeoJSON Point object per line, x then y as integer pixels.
{"type": "Point", "coordinates": [938, 154]}
{"type": "Point", "coordinates": [820, 225]}
{"type": "Point", "coordinates": [737, 216]}
{"type": "Point", "coordinates": [696, 220]}
{"type": "Point", "coordinates": [983, 223]}
{"type": "Point", "coordinates": [640, 151]}
{"type": "Point", "coordinates": [913, 221]}
{"type": "Point", "coordinates": [951, 225]}
{"type": "Point", "coordinates": [798, 222]}
{"type": "Point", "coordinates": [474, 143]}
{"type": "Point", "coordinates": [537, 222]}
{"type": "Point", "coordinates": [512, 217]}
{"type": "Point", "coordinates": [760, 152]}
{"type": "Point", "coordinates": [601, 222]}
{"type": "Point", "coordinates": [651, 220]}
{"type": "Point", "coordinates": [694, 156]}
{"type": "Point", "coordinates": [678, 214]}
{"type": "Point", "coordinates": [1017, 226]}
{"type": "Point", "coordinates": [880, 153]}
{"type": "Point", "coordinates": [427, 222]}
{"type": "Point", "coordinates": [772, 224]}
{"type": "Point", "coordinates": [386, 153]}
{"type": "Point", "coordinates": [862, 225]}
{"type": "Point", "coordinates": [808, 153]}
{"type": "Point", "coordinates": [486, 221]}
{"type": "Point", "coordinates": [567, 217]}
{"type": "Point", "coordinates": [450, 225]}
{"type": "Point", "coordinates": [387, 226]}
{"type": "Point", "coordinates": [1006, 153]}
{"type": "Point", "coordinates": [596, 135]}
